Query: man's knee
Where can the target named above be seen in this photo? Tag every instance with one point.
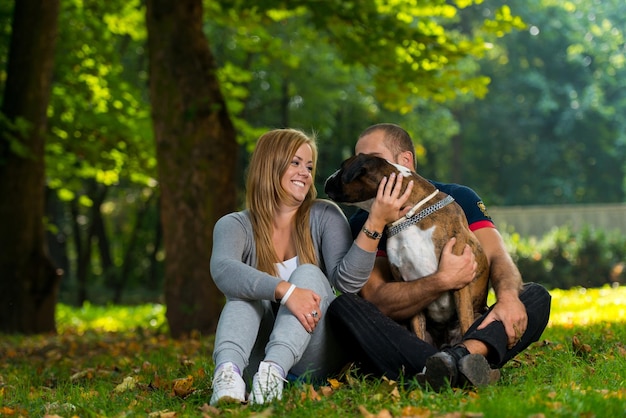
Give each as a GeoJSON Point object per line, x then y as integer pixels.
{"type": "Point", "coordinates": [534, 294]}
{"type": "Point", "coordinates": [535, 290]}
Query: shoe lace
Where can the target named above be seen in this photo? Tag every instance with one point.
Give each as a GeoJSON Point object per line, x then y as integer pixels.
{"type": "Point", "coordinates": [225, 378]}
{"type": "Point", "coordinates": [269, 378]}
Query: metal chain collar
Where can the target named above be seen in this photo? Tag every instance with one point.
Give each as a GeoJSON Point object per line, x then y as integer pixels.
{"type": "Point", "coordinates": [393, 230]}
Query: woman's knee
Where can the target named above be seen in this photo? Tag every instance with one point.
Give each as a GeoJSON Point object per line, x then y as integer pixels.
{"type": "Point", "coordinates": [311, 277]}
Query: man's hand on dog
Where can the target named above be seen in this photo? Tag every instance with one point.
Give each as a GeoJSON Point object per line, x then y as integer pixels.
{"type": "Point", "coordinates": [456, 271]}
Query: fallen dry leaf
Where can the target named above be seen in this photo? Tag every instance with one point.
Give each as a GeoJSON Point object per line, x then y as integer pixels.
{"type": "Point", "coordinates": [580, 349]}
{"type": "Point", "coordinates": [128, 383]}
{"type": "Point", "coordinates": [326, 391]}
{"type": "Point", "coordinates": [473, 394]}
{"type": "Point", "coordinates": [382, 414]}
{"type": "Point", "coordinates": [87, 373]}
{"type": "Point", "coordinates": [183, 387]}
{"type": "Point", "coordinates": [334, 383]}
{"type": "Point", "coordinates": [163, 414]}
{"type": "Point", "coordinates": [416, 412]}
{"type": "Point", "coordinates": [309, 393]}
{"type": "Point", "coordinates": [390, 387]}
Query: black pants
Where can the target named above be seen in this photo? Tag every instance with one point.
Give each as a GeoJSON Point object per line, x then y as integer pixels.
{"type": "Point", "coordinates": [381, 346]}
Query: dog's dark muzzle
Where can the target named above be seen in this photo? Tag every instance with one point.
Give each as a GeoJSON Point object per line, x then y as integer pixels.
{"type": "Point", "coordinates": [333, 187]}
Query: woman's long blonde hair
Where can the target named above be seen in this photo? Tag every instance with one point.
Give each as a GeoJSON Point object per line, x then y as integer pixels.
{"type": "Point", "coordinates": [272, 156]}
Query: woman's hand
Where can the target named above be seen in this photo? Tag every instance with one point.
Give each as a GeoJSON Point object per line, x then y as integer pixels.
{"type": "Point", "coordinates": [304, 304]}
{"type": "Point", "coordinates": [389, 204]}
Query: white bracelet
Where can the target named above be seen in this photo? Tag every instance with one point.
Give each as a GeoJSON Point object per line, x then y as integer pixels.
{"type": "Point", "coordinates": [287, 294]}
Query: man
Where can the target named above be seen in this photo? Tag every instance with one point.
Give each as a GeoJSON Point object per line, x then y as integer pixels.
{"type": "Point", "coordinates": [386, 347]}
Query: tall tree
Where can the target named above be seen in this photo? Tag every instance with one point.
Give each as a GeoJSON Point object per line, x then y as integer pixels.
{"type": "Point", "coordinates": [28, 280]}
{"type": "Point", "coordinates": [196, 155]}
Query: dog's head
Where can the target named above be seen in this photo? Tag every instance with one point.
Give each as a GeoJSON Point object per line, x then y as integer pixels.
{"type": "Point", "coordinates": [356, 182]}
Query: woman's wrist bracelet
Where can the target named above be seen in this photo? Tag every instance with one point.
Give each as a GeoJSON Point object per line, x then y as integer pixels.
{"type": "Point", "coordinates": [287, 294]}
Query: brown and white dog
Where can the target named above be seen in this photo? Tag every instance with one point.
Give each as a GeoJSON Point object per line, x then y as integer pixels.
{"type": "Point", "coordinates": [415, 242]}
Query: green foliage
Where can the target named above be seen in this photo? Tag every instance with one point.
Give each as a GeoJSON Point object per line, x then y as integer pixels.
{"type": "Point", "coordinates": [336, 67]}
{"type": "Point", "coordinates": [563, 258]}
{"type": "Point", "coordinates": [549, 132]}
{"type": "Point", "coordinates": [99, 115]}
{"type": "Point", "coordinates": [133, 369]}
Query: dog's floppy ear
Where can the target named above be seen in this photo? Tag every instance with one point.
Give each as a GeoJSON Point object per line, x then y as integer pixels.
{"type": "Point", "coordinates": [352, 169]}
{"type": "Point", "coordinates": [360, 164]}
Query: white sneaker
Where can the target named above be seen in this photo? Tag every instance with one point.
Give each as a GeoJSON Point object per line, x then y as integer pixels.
{"type": "Point", "coordinates": [228, 386]}
{"type": "Point", "coordinates": [267, 384]}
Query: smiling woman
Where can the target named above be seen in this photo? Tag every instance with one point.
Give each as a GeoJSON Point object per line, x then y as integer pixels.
{"type": "Point", "coordinates": [298, 178]}
{"type": "Point", "coordinates": [267, 260]}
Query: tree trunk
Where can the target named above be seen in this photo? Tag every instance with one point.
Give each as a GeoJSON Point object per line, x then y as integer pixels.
{"type": "Point", "coordinates": [196, 153]}
{"type": "Point", "coordinates": [28, 280]}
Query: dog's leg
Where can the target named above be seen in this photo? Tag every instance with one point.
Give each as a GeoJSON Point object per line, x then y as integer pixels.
{"type": "Point", "coordinates": [418, 324]}
{"type": "Point", "coordinates": [464, 308]}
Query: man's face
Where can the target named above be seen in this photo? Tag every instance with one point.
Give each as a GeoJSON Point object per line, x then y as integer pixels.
{"type": "Point", "coordinates": [373, 144]}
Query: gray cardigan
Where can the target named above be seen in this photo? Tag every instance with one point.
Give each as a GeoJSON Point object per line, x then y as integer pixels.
{"type": "Point", "coordinates": [234, 260]}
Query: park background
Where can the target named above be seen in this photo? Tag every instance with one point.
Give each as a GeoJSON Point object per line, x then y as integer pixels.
{"type": "Point", "coordinates": [127, 125]}
{"type": "Point", "coordinates": [125, 130]}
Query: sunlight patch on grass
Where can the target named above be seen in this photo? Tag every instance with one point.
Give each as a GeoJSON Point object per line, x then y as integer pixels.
{"type": "Point", "coordinates": [581, 306]}
{"type": "Point", "coordinates": [110, 318]}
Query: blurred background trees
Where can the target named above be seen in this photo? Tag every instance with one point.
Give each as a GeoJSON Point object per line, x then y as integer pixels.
{"type": "Point", "coordinates": [519, 99]}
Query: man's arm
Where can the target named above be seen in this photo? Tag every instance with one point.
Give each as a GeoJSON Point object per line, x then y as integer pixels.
{"type": "Point", "coordinates": [506, 281]}
{"type": "Point", "coordinates": [402, 300]}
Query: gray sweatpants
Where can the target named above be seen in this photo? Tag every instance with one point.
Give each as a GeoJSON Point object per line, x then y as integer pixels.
{"type": "Point", "coordinates": [248, 332]}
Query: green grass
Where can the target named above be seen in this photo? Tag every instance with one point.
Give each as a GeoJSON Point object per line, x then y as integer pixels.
{"type": "Point", "coordinates": [117, 361]}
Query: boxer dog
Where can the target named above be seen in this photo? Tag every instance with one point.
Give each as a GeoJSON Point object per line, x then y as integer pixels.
{"type": "Point", "coordinates": [415, 242]}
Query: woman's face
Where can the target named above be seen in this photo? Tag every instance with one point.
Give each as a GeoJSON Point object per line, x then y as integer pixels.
{"type": "Point", "coordinates": [297, 179]}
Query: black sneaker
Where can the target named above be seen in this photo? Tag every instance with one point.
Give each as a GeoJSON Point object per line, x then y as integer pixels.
{"type": "Point", "coordinates": [456, 367]}
{"type": "Point", "coordinates": [474, 369]}
{"type": "Point", "coordinates": [441, 371]}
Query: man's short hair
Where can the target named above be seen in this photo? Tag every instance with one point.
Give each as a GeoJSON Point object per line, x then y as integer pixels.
{"type": "Point", "coordinates": [396, 139]}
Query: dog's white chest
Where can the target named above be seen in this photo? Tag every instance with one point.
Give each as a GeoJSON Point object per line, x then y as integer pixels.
{"type": "Point", "coordinates": [412, 254]}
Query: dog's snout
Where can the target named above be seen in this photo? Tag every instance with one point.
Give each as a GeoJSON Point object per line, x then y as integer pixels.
{"type": "Point", "coordinates": [330, 185]}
